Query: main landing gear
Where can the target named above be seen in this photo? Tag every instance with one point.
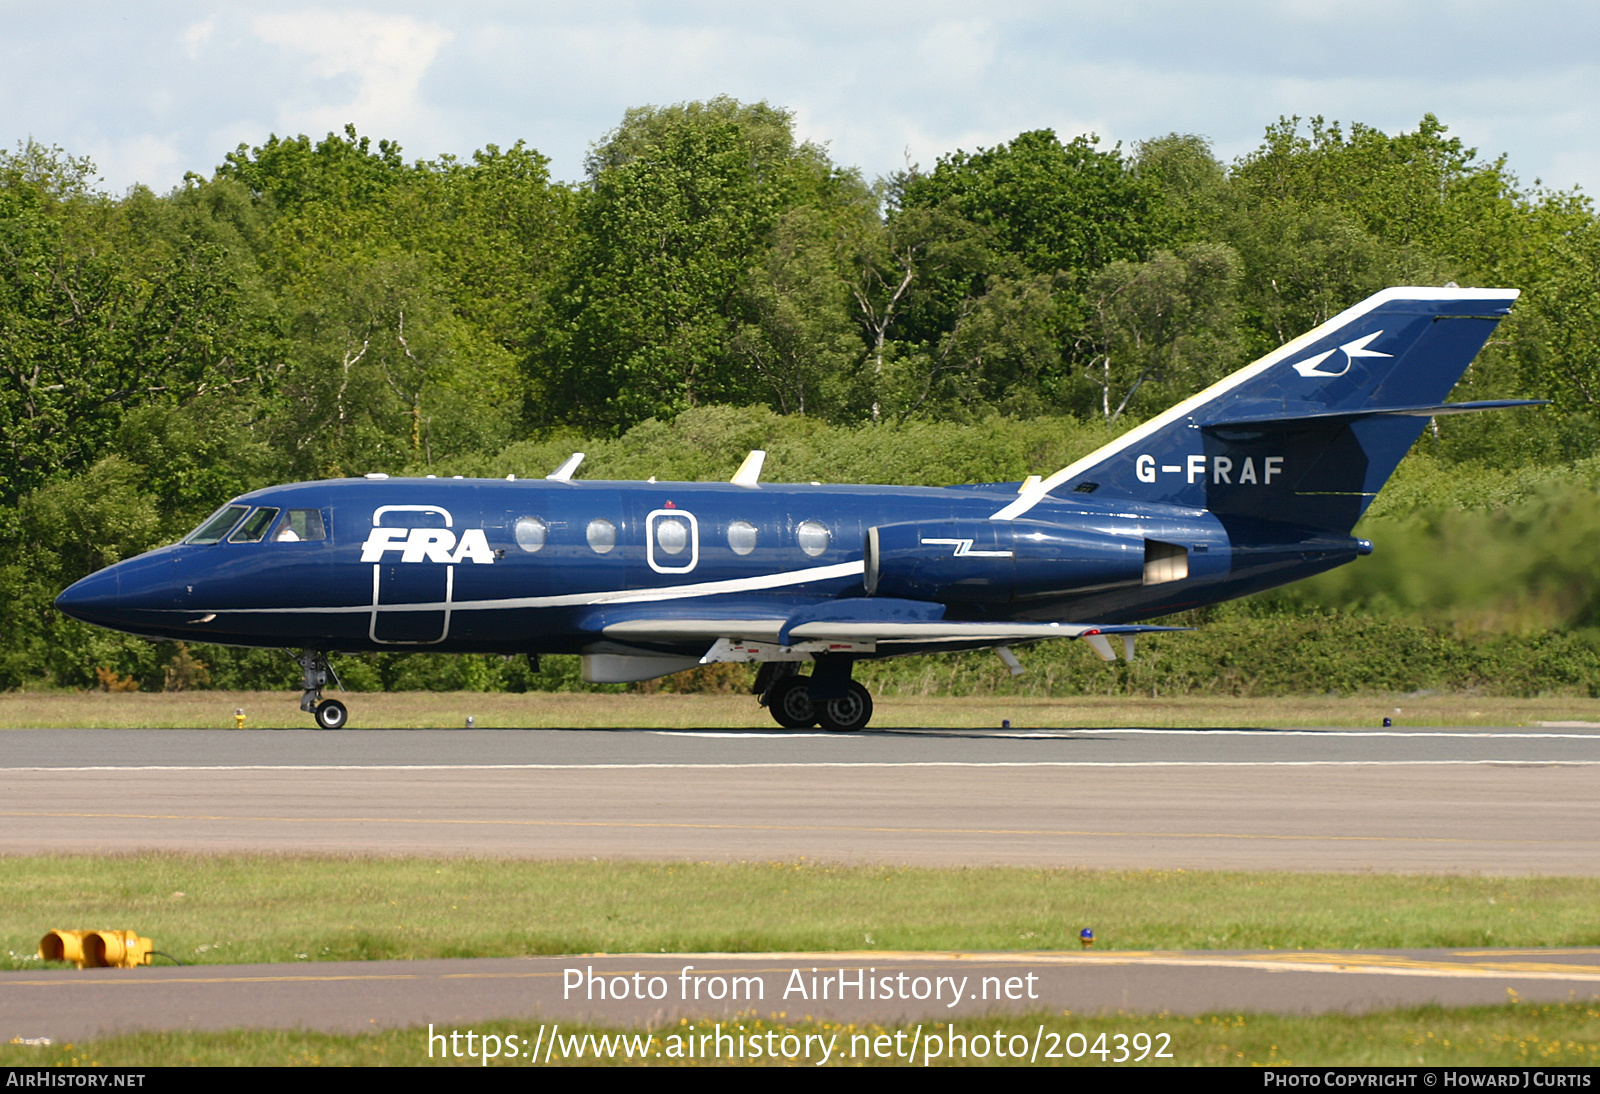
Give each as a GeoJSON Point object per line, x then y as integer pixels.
{"type": "Point", "coordinates": [314, 674]}
{"type": "Point", "coordinates": [828, 697]}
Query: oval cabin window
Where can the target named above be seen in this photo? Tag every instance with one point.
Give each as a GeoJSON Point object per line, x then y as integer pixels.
{"type": "Point", "coordinates": [602, 536]}
{"type": "Point", "coordinates": [813, 537]}
{"type": "Point", "coordinates": [531, 532]}
{"type": "Point", "coordinates": [742, 537]}
{"type": "Point", "coordinates": [672, 535]}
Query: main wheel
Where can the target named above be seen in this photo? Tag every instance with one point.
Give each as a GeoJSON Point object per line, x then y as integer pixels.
{"type": "Point", "coordinates": [790, 703]}
{"type": "Point", "coordinates": [331, 714]}
{"type": "Point", "coordinates": [849, 714]}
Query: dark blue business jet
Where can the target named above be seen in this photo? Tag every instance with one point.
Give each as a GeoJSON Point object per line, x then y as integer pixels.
{"type": "Point", "coordinates": [1255, 482]}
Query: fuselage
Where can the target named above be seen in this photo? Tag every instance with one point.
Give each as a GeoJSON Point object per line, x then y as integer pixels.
{"type": "Point", "coordinates": [535, 566]}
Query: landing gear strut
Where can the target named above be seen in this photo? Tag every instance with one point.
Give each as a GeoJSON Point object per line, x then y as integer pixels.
{"type": "Point", "coordinates": [314, 674]}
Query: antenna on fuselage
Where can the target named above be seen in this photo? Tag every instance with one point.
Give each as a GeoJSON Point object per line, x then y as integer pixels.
{"type": "Point", "coordinates": [749, 473]}
{"type": "Point", "coordinates": [565, 472]}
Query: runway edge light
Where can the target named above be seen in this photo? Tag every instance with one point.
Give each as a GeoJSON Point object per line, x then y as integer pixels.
{"type": "Point", "coordinates": [97, 949]}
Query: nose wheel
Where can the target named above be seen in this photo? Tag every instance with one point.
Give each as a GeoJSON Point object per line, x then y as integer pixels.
{"type": "Point", "coordinates": [330, 714]}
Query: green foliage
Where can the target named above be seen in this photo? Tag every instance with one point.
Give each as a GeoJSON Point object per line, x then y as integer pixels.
{"type": "Point", "coordinates": [709, 444]}
{"type": "Point", "coordinates": [1523, 562]}
{"type": "Point", "coordinates": [324, 307]}
{"type": "Point", "coordinates": [292, 172]}
{"type": "Point", "coordinates": [1274, 653]}
{"type": "Point", "coordinates": [1166, 323]}
{"type": "Point", "coordinates": [91, 326]}
{"type": "Point", "coordinates": [682, 203]}
{"type": "Point", "coordinates": [58, 534]}
{"type": "Point", "coordinates": [1055, 206]}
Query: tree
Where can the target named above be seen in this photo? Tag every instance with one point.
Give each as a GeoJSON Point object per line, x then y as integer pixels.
{"type": "Point", "coordinates": [682, 204]}
{"type": "Point", "coordinates": [1166, 322]}
{"type": "Point", "coordinates": [1054, 206]}
{"type": "Point", "coordinates": [94, 320]}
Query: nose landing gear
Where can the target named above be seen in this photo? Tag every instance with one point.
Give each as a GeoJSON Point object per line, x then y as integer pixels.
{"type": "Point", "coordinates": [314, 675]}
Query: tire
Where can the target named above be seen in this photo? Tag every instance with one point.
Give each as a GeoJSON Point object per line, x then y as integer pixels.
{"type": "Point", "coordinates": [790, 703]}
{"type": "Point", "coordinates": [849, 714]}
{"type": "Point", "coordinates": [331, 714]}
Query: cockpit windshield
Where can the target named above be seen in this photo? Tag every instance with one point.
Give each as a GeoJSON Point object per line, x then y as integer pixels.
{"type": "Point", "coordinates": [217, 524]}
{"type": "Point", "coordinates": [255, 526]}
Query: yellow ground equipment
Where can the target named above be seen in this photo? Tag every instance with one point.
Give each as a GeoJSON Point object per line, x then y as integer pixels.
{"type": "Point", "coordinates": [97, 949]}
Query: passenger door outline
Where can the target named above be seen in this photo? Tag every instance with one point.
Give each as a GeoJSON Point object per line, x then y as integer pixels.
{"type": "Point", "coordinates": [398, 608]}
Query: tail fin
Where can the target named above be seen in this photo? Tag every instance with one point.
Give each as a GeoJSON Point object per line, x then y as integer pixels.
{"type": "Point", "coordinates": [1310, 432]}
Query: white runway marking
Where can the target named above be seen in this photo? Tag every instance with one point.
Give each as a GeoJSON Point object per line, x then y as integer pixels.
{"type": "Point", "coordinates": [813, 763]}
{"type": "Point", "coordinates": [1349, 733]}
{"type": "Point", "coordinates": [741, 735]}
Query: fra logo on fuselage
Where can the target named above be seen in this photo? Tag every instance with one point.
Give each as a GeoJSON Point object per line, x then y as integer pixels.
{"type": "Point", "coordinates": [427, 545]}
{"type": "Point", "coordinates": [1221, 470]}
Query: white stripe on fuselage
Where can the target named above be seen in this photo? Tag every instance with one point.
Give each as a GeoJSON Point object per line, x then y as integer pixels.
{"type": "Point", "coordinates": [574, 600]}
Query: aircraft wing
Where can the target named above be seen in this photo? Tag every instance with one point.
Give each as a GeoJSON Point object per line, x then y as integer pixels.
{"type": "Point", "coordinates": [870, 622]}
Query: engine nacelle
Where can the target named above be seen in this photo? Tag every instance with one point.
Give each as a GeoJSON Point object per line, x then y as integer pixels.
{"type": "Point", "coordinates": [997, 561]}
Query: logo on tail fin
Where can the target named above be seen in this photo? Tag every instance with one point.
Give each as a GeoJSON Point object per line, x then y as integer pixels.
{"type": "Point", "coordinates": [1351, 350]}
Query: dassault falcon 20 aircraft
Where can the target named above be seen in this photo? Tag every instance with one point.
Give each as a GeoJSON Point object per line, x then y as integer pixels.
{"type": "Point", "coordinates": [1255, 482]}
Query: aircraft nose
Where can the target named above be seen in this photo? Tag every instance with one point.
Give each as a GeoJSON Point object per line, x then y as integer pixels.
{"type": "Point", "coordinates": [93, 599]}
{"type": "Point", "coordinates": [122, 596]}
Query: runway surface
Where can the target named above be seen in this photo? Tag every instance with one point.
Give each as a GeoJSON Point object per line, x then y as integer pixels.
{"type": "Point", "coordinates": [887, 988]}
{"type": "Point", "coordinates": [1506, 801]}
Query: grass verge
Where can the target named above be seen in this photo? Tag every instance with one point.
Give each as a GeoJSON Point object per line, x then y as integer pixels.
{"type": "Point", "coordinates": [1515, 1035]}
{"type": "Point", "coordinates": [571, 710]}
{"type": "Point", "coordinates": [258, 908]}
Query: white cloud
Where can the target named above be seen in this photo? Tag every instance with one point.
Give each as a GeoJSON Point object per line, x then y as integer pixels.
{"type": "Point", "coordinates": [386, 55]}
{"type": "Point", "coordinates": [197, 36]}
{"type": "Point", "coordinates": [871, 80]}
{"type": "Point", "coordinates": [957, 50]}
{"type": "Point", "coordinates": [143, 157]}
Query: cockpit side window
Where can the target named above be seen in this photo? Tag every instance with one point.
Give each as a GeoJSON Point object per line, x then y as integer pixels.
{"type": "Point", "coordinates": [255, 526]}
{"type": "Point", "coordinates": [300, 525]}
{"type": "Point", "coordinates": [217, 524]}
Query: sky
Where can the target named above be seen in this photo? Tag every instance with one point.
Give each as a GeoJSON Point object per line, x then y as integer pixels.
{"type": "Point", "coordinates": [153, 90]}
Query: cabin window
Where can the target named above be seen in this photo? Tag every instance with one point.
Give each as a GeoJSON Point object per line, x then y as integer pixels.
{"type": "Point", "coordinates": [217, 525]}
{"type": "Point", "coordinates": [255, 526]}
{"type": "Point", "coordinates": [672, 535]}
{"type": "Point", "coordinates": [742, 537]}
{"type": "Point", "coordinates": [813, 537]}
{"type": "Point", "coordinates": [531, 533]}
{"type": "Point", "coordinates": [602, 536]}
{"type": "Point", "coordinates": [300, 525]}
